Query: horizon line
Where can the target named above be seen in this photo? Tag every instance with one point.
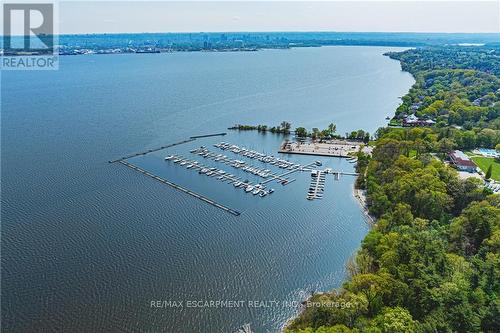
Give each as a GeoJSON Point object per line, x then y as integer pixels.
{"type": "Point", "coordinates": [271, 32]}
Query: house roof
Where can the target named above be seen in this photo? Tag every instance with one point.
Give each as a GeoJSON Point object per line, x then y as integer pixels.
{"type": "Point", "coordinates": [459, 158]}
{"type": "Point", "coordinates": [411, 117]}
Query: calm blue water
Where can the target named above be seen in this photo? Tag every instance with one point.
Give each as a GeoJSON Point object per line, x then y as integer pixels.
{"type": "Point", "coordinates": [86, 245]}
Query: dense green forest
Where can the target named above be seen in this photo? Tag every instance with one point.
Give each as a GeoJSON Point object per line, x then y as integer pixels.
{"type": "Point", "coordinates": [458, 87]}
{"type": "Point", "coordinates": [431, 263]}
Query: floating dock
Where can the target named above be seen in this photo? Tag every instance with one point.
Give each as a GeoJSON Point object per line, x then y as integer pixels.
{"type": "Point", "coordinates": [333, 154]}
{"type": "Point", "coordinates": [221, 175]}
{"type": "Point", "coordinates": [180, 188]}
{"type": "Point", "coordinates": [280, 178]}
{"type": "Point", "coordinates": [241, 165]}
{"type": "Point", "coordinates": [317, 186]}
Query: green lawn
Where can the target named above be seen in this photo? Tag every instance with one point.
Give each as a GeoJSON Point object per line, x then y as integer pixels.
{"type": "Point", "coordinates": [484, 162]}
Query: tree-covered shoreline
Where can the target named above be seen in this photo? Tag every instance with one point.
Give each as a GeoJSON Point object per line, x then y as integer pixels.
{"type": "Point", "coordinates": [431, 263]}
{"type": "Point", "coordinates": [458, 88]}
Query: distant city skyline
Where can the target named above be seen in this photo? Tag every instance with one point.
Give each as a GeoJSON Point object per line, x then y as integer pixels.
{"type": "Point", "coordinates": [77, 17]}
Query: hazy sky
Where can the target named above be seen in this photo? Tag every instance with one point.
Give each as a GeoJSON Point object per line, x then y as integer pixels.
{"type": "Point", "coordinates": [190, 16]}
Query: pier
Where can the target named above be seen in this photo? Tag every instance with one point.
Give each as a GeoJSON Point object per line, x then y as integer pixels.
{"type": "Point", "coordinates": [207, 135]}
{"type": "Point", "coordinates": [334, 172]}
{"type": "Point", "coordinates": [221, 175]}
{"type": "Point", "coordinates": [268, 159]}
{"type": "Point", "coordinates": [280, 177]}
{"type": "Point", "coordinates": [317, 186]}
{"type": "Point", "coordinates": [180, 188]}
{"type": "Point", "coordinates": [338, 173]}
{"type": "Point", "coordinates": [151, 150]}
{"type": "Point", "coordinates": [242, 165]}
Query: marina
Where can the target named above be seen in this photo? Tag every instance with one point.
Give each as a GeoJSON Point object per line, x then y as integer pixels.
{"type": "Point", "coordinates": [271, 169]}
{"type": "Point", "coordinates": [265, 158]}
{"type": "Point", "coordinates": [252, 169]}
{"type": "Point", "coordinates": [316, 187]}
{"type": "Point", "coordinates": [222, 175]}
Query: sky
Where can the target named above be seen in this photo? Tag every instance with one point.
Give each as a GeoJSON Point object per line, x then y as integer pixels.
{"type": "Point", "coordinates": [206, 16]}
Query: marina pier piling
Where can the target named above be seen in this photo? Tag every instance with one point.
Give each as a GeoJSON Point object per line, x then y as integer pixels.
{"type": "Point", "coordinates": [180, 188]}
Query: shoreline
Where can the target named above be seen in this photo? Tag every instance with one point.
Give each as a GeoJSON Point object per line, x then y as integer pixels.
{"type": "Point", "coordinates": [360, 197]}
{"type": "Point", "coordinates": [81, 52]}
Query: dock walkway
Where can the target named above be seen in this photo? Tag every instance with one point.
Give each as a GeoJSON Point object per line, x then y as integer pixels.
{"type": "Point", "coordinates": [231, 162]}
{"type": "Point", "coordinates": [281, 177]}
{"type": "Point", "coordinates": [317, 185]}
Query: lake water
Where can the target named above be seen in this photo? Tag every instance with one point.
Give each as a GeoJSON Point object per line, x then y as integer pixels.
{"type": "Point", "coordinates": [87, 245]}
